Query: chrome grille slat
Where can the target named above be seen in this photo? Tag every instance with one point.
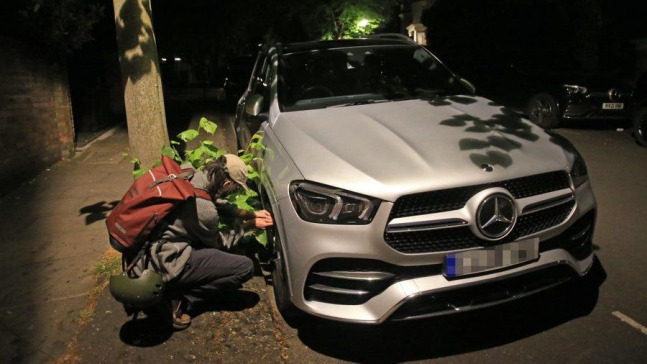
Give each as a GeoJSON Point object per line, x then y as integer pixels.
{"type": "Point", "coordinates": [543, 205]}
{"type": "Point", "coordinates": [427, 225]}
{"type": "Point", "coordinates": [337, 290]}
{"type": "Point", "coordinates": [356, 276]}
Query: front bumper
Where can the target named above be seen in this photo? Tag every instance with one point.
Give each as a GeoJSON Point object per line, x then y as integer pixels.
{"type": "Point", "coordinates": [350, 273]}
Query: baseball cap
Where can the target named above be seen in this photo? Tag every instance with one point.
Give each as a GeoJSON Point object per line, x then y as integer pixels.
{"type": "Point", "coordinates": [237, 170]}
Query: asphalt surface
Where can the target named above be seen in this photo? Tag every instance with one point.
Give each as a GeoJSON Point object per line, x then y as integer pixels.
{"type": "Point", "coordinates": [53, 232]}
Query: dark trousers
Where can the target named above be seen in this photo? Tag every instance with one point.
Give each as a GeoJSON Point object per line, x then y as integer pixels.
{"type": "Point", "coordinates": [209, 272]}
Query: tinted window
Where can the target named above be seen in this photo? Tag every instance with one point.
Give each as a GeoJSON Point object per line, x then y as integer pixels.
{"type": "Point", "coordinates": [322, 78]}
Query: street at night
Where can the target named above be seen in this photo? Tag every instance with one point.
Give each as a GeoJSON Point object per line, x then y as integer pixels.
{"type": "Point", "coordinates": [444, 181]}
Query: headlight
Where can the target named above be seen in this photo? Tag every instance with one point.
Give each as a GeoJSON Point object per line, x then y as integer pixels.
{"type": "Point", "coordinates": [579, 173]}
{"type": "Point", "coordinates": [575, 89]}
{"type": "Point", "coordinates": [327, 205]}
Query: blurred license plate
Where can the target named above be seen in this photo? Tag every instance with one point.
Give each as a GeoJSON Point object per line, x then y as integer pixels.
{"type": "Point", "coordinates": [496, 257]}
{"type": "Point", "coordinates": [613, 105]}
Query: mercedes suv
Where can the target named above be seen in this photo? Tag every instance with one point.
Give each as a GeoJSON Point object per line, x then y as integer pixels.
{"type": "Point", "coordinates": [398, 193]}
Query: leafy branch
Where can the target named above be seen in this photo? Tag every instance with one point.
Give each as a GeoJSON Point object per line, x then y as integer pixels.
{"type": "Point", "coordinates": [207, 152]}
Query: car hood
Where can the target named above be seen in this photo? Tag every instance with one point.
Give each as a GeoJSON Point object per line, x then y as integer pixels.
{"type": "Point", "coordinates": [388, 149]}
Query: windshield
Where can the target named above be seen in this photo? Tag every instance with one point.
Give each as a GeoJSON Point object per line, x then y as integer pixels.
{"type": "Point", "coordinates": [355, 75]}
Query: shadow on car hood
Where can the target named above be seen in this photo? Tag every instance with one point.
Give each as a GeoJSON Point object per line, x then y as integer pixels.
{"type": "Point", "coordinates": [388, 149]}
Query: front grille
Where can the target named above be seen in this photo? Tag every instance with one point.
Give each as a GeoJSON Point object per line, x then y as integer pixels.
{"type": "Point", "coordinates": [431, 241]}
{"type": "Point", "coordinates": [541, 220]}
{"type": "Point", "coordinates": [456, 198]}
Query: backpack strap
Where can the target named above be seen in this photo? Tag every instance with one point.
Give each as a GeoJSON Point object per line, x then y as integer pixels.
{"type": "Point", "coordinates": [200, 193]}
{"type": "Point", "coordinates": [141, 254]}
{"type": "Point", "coordinates": [184, 175]}
{"type": "Point", "coordinates": [189, 172]}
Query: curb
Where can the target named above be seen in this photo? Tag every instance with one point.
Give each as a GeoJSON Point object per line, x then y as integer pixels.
{"type": "Point", "coordinates": [103, 136]}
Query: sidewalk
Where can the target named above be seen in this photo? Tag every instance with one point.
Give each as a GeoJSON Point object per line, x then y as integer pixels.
{"type": "Point", "coordinates": [52, 230]}
{"type": "Point", "coordinates": [53, 233]}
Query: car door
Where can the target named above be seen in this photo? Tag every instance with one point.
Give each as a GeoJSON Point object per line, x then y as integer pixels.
{"type": "Point", "coordinates": [246, 123]}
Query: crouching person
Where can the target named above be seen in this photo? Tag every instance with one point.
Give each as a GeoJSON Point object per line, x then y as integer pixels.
{"type": "Point", "coordinates": [190, 253]}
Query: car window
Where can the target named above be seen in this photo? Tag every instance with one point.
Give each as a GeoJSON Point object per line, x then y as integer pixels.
{"type": "Point", "coordinates": [261, 81]}
{"type": "Point", "coordinates": [322, 78]}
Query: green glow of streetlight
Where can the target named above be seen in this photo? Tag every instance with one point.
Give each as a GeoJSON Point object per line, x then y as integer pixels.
{"type": "Point", "coordinates": [362, 23]}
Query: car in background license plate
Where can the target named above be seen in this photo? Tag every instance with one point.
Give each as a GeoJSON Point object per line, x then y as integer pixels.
{"type": "Point", "coordinates": [613, 106]}
{"type": "Point", "coordinates": [483, 260]}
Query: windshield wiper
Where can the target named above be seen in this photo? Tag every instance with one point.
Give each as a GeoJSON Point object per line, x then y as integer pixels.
{"type": "Point", "coordinates": [431, 94]}
{"type": "Point", "coordinates": [362, 102]}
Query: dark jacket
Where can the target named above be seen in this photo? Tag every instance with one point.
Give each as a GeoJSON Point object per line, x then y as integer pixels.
{"type": "Point", "coordinates": [194, 223]}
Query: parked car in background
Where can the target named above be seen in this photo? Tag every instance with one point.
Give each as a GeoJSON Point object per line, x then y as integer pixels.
{"type": "Point", "coordinates": [550, 96]}
{"type": "Point", "coordinates": [399, 194]}
{"type": "Point", "coordinates": [639, 117]}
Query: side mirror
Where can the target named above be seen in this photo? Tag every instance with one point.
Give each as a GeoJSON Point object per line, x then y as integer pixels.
{"type": "Point", "coordinates": [253, 104]}
{"type": "Point", "coordinates": [468, 85]}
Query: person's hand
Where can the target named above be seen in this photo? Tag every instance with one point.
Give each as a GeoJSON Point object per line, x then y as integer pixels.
{"type": "Point", "coordinates": [263, 219]}
{"type": "Point", "coordinates": [263, 223]}
{"type": "Point", "coordinates": [262, 214]}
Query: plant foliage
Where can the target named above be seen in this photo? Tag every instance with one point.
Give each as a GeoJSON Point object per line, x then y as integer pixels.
{"type": "Point", "coordinates": [338, 19]}
{"type": "Point", "coordinates": [206, 152]}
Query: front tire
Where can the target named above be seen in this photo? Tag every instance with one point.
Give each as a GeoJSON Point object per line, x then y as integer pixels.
{"type": "Point", "coordinates": [640, 126]}
{"type": "Point", "coordinates": [542, 110]}
{"type": "Point", "coordinates": [291, 314]}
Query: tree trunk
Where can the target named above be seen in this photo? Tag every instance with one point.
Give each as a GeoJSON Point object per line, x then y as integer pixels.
{"type": "Point", "coordinates": [140, 74]}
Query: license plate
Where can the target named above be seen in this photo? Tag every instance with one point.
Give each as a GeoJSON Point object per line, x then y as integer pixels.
{"type": "Point", "coordinates": [493, 258]}
{"type": "Point", "coordinates": [613, 105]}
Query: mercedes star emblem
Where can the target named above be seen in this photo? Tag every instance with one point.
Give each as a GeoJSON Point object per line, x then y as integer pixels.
{"type": "Point", "coordinates": [496, 216]}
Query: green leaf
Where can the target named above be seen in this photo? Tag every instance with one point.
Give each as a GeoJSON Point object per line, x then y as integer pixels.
{"type": "Point", "coordinates": [139, 172]}
{"type": "Point", "coordinates": [195, 157]}
{"type": "Point", "coordinates": [257, 146]}
{"type": "Point", "coordinates": [212, 151]}
{"type": "Point", "coordinates": [208, 126]}
{"type": "Point", "coordinates": [254, 176]}
{"type": "Point", "coordinates": [171, 153]}
{"type": "Point", "coordinates": [262, 238]}
{"type": "Point", "coordinates": [188, 135]}
{"type": "Point", "coordinates": [241, 201]}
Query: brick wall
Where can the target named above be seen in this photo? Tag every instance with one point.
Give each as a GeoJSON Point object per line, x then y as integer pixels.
{"type": "Point", "coordinates": [36, 126]}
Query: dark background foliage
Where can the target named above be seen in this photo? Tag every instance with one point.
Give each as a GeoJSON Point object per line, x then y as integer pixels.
{"type": "Point", "coordinates": [585, 35]}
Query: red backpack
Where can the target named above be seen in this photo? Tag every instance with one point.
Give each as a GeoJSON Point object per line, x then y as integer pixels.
{"type": "Point", "coordinates": [148, 200]}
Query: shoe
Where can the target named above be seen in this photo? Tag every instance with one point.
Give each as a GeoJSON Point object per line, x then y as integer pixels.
{"type": "Point", "coordinates": [181, 320]}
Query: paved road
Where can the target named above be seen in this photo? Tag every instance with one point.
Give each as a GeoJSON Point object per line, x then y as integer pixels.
{"type": "Point", "coordinates": [569, 324]}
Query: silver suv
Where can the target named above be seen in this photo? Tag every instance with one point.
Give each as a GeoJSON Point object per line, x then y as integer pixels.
{"type": "Point", "coordinates": [398, 193]}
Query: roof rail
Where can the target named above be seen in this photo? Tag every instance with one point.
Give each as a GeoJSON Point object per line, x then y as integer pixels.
{"type": "Point", "coordinates": [392, 36]}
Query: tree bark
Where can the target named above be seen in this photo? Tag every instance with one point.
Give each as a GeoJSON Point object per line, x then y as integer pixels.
{"type": "Point", "coordinates": [143, 97]}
